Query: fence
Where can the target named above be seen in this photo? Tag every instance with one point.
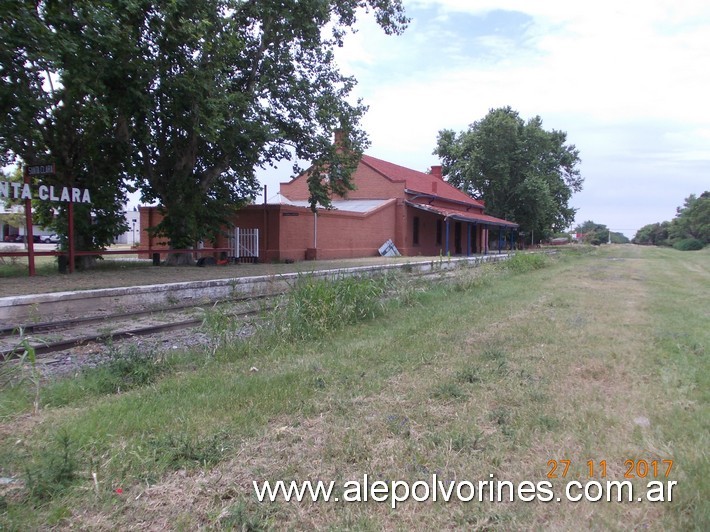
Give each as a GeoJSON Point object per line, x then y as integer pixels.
{"type": "Point", "coordinates": [244, 245]}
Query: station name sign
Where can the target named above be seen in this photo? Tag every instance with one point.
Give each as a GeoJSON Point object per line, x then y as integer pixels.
{"type": "Point", "coordinates": [41, 169]}
{"type": "Point", "coordinates": [23, 191]}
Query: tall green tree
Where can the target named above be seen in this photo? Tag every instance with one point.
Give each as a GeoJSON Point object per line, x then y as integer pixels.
{"type": "Point", "coordinates": [60, 102]}
{"type": "Point", "coordinates": [185, 97]}
{"type": "Point", "coordinates": [692, 220]}
{"type": "Point", "coordinates": [653, 235]}
{"type": "Point", "coordinates": [522, 172]}
{"type": "Point", "coordinates": [228, 86]}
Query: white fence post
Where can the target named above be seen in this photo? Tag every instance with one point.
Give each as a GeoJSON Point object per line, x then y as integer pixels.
{"type": "Point", "coordinates": [244, 244]}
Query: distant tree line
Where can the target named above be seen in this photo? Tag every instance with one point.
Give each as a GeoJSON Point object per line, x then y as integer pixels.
{"type": "Point", "coordinates": [690, 229]}
{"type": "Point", "coordinates": [595, 234]}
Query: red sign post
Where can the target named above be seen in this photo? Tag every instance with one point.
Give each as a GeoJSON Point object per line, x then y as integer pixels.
{"type": "Point", "coordinates": [29, 233]}
{"type": "Point", "coordinates": [41, 169]}
{"type": "Point", "coordinates": [70, 236]}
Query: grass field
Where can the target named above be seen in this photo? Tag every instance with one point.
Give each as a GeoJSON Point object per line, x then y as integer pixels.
{"type": "Point", "coordinates": [499, 373]}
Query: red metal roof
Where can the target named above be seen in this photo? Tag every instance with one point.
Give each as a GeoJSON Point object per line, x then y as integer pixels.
{"type": "Point", "coordinates": [463, 214]}
{"type": "Point", "coordinates": [419, 181]}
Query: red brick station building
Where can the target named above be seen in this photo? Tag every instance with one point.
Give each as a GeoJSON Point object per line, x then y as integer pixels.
{"type": "Point", "coordinates": [420, 213]}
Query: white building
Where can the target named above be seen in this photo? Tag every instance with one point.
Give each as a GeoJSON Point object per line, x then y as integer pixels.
{"type": "Point", "coordinates": [133, 235]}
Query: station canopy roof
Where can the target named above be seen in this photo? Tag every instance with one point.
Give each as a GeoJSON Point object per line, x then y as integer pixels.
{"type": "Point", "coordinates": [463, 215]}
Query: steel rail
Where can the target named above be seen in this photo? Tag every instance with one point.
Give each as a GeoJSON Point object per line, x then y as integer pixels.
{"type": "Point", "coordinates": [42, 348]}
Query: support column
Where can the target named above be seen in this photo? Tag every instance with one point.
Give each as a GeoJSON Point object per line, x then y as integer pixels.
{"type": "Point", "coordinates": [468, 239]}
{"type": "Point", "coordinates": [448, 251]}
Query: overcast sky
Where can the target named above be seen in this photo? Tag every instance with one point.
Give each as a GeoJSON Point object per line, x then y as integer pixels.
{"type": "Point", "coordinates": [629, 81]}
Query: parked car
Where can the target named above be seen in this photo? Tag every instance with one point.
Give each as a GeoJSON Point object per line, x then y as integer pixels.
{"type": "Point", "coordinates": [37, 239]}
{"type": "Point", "coordinates": [51, 239]}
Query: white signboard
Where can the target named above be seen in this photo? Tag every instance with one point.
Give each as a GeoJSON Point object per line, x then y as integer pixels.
{"type": "Point", "coordinates": [23, 191]}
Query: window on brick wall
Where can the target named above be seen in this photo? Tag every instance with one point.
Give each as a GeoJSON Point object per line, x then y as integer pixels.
{"type": "Point", "coordinates": [415, 231]}
{"type": "Point", "coordinates": [438, 232]}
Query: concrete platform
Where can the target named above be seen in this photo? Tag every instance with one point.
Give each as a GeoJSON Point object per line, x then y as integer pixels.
{"type": "Point", "coordinates": [47, 307]}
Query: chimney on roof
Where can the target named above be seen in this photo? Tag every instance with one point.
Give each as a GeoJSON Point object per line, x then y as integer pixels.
{"type": "Point", "coordinates": [340, 140]}
{"type": "Point", "coordinates": [436, 172]}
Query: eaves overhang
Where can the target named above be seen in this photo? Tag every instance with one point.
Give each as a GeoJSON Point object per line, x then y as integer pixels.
{"type": "Point", "coordinates": [463, 216]}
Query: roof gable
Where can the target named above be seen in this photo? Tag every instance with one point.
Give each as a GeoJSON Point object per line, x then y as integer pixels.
{"type": "Point", "coordinates": [419, 181]}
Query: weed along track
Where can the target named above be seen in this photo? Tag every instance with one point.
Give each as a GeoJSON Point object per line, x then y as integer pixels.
{"type": "Point", "coordinates": [98, 317]}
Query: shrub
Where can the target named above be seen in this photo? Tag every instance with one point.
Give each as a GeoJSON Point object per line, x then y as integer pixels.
{"type": "Point", "coordinates": [526, 262]}
{"type": "Point", "coordinates": [180, 451]}
{"type": "Point", "coordinates": [54, 472]}
{"type": "Point", "coordinates": [688, 244]}
{"type": "Point", "coordinates": [314, 307]}
{"type": "Point", "coordinates": [124, 371]}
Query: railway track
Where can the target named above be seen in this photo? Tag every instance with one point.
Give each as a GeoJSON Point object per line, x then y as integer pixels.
{"type": "Point", "coordinates": [63, 335]}
{"type": "Point", "coordinates": [50, 337]}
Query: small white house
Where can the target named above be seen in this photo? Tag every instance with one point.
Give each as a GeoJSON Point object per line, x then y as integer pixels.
{"type": "Point", "coordinates": [9, 226]}
{"type": "Point", "coordinates": [133, 235]}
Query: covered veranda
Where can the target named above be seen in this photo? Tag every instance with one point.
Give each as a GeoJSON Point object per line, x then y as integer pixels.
{"type": "Point", "coordinates": [478, 227]}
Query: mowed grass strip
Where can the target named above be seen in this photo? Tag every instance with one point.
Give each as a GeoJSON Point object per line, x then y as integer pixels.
{"type": "Point", "coordinates": [600, 357]}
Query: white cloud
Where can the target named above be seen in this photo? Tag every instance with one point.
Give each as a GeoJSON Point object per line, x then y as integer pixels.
{"type": "Point", "coordinates": [611, 63]}
{"type": "Point", "coordinates": [627, 80]}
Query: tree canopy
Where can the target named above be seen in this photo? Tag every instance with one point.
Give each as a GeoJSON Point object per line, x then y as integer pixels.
{"type": "Point", "coordinates": [691, 222]}
{"type": "Point", "coordinates": [184, 98]}
{"type": "Point", "coordinates": [522, 172]}
{"type": "Point", "coordinates": [655, 234]}
{"type": "Point", "coordinates": [595, 234]}
{"type": "Point", "coordinates": [228, 86]}
{"type": "Point", "coordinates": [58, 103]}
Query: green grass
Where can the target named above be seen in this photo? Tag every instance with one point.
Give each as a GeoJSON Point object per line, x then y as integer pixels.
{"type": "Point", "coordinates": [315, 307]}
{"type": "Point", "coordinates": [17, 266]}
{"type": "Point", "coordinates": [47, 266]}
{"type": "Point", "coordinates": [493, 371]}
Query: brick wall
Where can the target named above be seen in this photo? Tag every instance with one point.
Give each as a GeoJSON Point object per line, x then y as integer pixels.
{"type": "Point", "coordinates": [264, 218]}
{"type": "Point", "coordinates": [339, 234]}
{"type": "Point", "coordinates": [150, 217]}
{"type": "Point", "coordinates": [428, 242]}
{"type": "Point", "coordinates": [287, 233]}
{"type": "Point", "coordinates": [343, 235]}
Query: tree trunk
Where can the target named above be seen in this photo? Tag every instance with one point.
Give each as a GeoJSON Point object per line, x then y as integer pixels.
{"type": "Point", "coordinates": [82, 242]}
{"type": "Point", "coordinates": [178, 231]}
{"type": "Point", "coordinates": [179, 259]}
{"type": "Point", "coordinates": [85, 262]}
